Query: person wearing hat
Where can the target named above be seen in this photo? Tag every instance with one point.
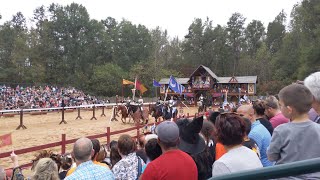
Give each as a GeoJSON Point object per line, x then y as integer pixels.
{"type": "Point", "coordinates": [173, 163]}
{"type": "Point", "coordinates": [192, 143]}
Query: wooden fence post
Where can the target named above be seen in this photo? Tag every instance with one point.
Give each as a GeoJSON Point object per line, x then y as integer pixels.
{"type": "Point", "coordinates": [63, 143]}
{"type": "Point", "coordinates": [62, 114]}
{"type": "Point", "coordinates": [108, 138]}
{"type": "Point", "coordinates": [94, 113]}
{"type": "Point", "coordinates": [102, 114]}
{"type": "Point", "coordinates": [78, 117]}
{"type": "Point", "coordinates": [21, 121]}
{"type": "Point", "coordinates": [188, 115]}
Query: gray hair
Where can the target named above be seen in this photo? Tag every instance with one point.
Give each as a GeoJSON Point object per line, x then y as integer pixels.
{"type": "Point", "coordinates": [46, 169]}
{"type": "Point", "coordinates": [82, 149]}
{"type": "Point", "coordinates": [272, 102]}
{"type": "Point", "coordinates": [312, 82]}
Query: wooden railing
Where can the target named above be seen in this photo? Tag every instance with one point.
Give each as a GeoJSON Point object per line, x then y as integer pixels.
{"type": "Point", "coordinates": [64, 142]}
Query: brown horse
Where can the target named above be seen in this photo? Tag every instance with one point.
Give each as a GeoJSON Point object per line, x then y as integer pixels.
{"type": "Point", "coordinates": [135, 113]}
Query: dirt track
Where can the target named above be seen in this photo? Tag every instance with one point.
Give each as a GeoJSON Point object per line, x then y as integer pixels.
{"type": "Point", "coordinates": [43, 129]}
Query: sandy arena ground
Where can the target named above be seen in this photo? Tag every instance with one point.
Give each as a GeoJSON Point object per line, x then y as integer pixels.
{"type": "Point", "coordinates": [43, 129]}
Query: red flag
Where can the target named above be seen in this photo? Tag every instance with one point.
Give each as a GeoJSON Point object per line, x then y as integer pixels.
{"type": "Point", "coordinates": [5, 140]}
{"type": "Point", "coordinates": [140, 87]}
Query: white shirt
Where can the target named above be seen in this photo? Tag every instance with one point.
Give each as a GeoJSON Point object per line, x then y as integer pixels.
{"type": "Point", "coordinates": [235, 160]}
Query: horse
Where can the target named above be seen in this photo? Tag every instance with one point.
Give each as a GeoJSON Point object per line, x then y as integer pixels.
{"type": "Point", "coordinates": [124, 113]}
{"type": "Point", "coordinates": [134, 112]}
{"type": "Point", "coordinates": [156, 111]}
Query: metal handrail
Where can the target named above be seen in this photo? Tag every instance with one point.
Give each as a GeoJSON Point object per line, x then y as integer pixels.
{"type": "Point", "coordinates": [277, 171]}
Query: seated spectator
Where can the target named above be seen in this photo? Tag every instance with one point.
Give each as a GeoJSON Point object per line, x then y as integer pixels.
{"type": "Point", "coordinates": [130, 166]}
{"type": "Point", "coordinates": [273, 112]}
{"type": "Point", "coordinates": [46, 168]}
{"type": "Point", "coordinates": [230, 130]}
{"type": "Point", "coordinates": [192, 143]}
{"type": "Point", "coordinates": [86, 169]}
{"type": "Point", "coordinates": [173, 163]}
{"type": "Point", "coordinates": [299, 135]}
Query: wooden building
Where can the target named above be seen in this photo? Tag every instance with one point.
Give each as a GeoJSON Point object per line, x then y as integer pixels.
{"type": "Point", "coordinates": [204, 81]}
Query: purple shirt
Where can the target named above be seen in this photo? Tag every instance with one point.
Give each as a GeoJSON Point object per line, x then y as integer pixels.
{"type": "Point", "coordinates": [313, 115]}
{"type": "Point", "coordinates": [278, 119]}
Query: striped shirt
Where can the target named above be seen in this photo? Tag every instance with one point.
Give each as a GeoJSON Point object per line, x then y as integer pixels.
{"type": "Point", "coordinates": [89, 170]}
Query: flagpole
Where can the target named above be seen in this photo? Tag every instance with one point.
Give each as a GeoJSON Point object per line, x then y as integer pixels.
{"type": "Point", "coordinates": [122, 91]}
{"type": "Point", "coordinates": [135, 87]}
{"type": "Point", "coordinates": [166, 93]}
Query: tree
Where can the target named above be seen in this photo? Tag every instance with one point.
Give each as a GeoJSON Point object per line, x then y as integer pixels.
{"type": "Point", "coordinates": [107, 79]}
{"type": "Point", "coordinates": [276, 32]}
{"type": "Point", "coordinates": [235, 36]}
{"type": "Point", "coordinates": [254, 36]}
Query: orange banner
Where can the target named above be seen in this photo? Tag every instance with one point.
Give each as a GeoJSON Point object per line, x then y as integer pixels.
{"type": "Point", "coordinates": [126, 82]}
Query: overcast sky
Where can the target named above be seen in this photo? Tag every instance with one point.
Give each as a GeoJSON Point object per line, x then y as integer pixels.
{"type": "Point", "coordinates": [173, 15]}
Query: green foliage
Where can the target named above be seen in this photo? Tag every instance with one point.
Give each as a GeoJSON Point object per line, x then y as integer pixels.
{"type": "Point", "coordinates": [107, 79]}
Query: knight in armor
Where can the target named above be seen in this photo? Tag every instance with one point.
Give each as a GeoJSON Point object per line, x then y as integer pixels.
{"type": "Point", "coordinates": [140, 104]}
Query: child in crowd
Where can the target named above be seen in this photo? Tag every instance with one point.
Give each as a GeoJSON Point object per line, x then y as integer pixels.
{"type": "Point", "coordinates": [299, 139]}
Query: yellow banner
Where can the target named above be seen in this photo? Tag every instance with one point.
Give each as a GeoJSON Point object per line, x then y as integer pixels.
{"type": "Point", "coordinates": [126, 82]}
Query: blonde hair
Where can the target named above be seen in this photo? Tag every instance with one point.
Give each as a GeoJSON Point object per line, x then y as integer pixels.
{"type": "Point", "coordinates": [46, 169]}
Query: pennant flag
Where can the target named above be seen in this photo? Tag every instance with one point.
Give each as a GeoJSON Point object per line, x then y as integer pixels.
{"type": "Point", "coordinates": [156, 83]}
{"type": "Point", "coordinates": [139, 86]}
{"type": "Point", "coordinates": [5, 140]}
{"type": "Point", "coordinates": [126, 82]}
{"type": "Point", "coordinates": [175, 86]}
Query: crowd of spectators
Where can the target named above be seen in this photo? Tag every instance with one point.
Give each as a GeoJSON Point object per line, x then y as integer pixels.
{"type": "Point", "coordinates": [265, 133]}
{"type": "Point", "coordinates": [43, 97]}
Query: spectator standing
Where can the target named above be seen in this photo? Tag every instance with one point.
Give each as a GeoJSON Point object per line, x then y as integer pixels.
{"type": "Point", "coordinates": [273, 112]}
{"type": "Point", "coordinates": [312, 83]}
{"type": "Point", "coordinates": [258, 133]}
{"type": "Point", "coordinates": [231, 130]}
{"type": "Point", "coordinates": [173, 163]}
{"type": "Point", "coordinates": [300, 135]}
{"type": "Point", "coordinates": [86, 169]}
{"type": "Point", "coordinates": [130, 166]}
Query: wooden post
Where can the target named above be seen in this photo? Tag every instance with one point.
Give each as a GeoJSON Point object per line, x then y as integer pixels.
{"type": "Point", "coordinates": [62, 114]}
{"type": "Point", "coordinates": [78, 117]}
{"type": "Point", "coordinates": [108, 138]}
{"type": "Point", "coordinates": [103, 111]}
{"type": "Point", "coordinates": [21, 121]}
{"type": "Point", "coordinates": [63, 143]}
{"type": "Point", "coordinates": [94, 113]}
{"type": "Point", "coordinates": [188, 115]}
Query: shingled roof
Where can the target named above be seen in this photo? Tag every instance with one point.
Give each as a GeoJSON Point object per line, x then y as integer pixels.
{"type": "Point", "coordinates": [212, 74]}
{"type": "Point", "coordinates": [179, 80]}
{"type": "Point", "coordinates": [240, 79]}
